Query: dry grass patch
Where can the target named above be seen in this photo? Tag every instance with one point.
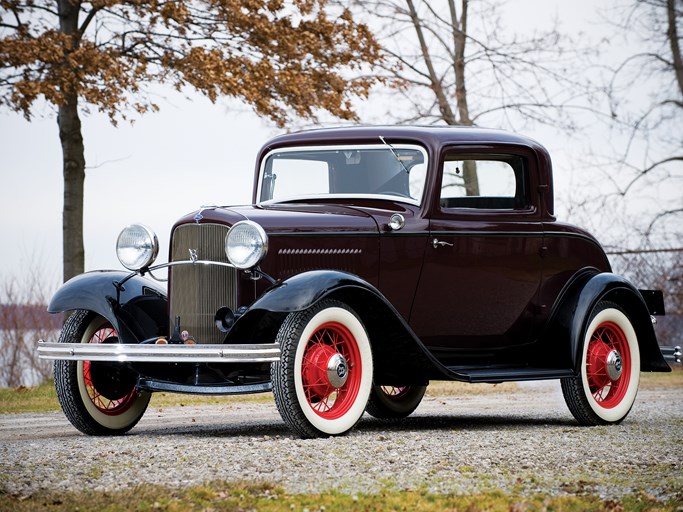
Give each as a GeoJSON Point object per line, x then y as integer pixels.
{"type": "Point", "coordinates": [445, 388]}
{"type": "Point", "coordinates": [671, 380]}
{"type": "Point", "coordinates": [267, 498]}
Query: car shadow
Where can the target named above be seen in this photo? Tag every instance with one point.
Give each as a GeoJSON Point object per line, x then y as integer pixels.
{"type": "Point", "coordinates": [260, 429]}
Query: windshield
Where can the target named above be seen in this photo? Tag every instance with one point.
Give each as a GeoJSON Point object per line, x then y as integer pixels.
{"type": "Point", "coordinates": [395, 172]}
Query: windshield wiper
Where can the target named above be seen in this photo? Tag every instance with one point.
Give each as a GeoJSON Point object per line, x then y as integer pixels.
{"type": "Point", "coordinates": [391, 148]}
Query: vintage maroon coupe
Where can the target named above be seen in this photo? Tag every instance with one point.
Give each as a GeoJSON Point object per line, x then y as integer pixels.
{"type": "Point", "coordinates": [372, 261]}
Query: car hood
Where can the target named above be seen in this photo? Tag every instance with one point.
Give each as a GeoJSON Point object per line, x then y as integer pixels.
{"type": "Point", "coordinates": [290, 218]}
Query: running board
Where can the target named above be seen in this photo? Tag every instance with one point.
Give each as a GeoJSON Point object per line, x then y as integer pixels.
{"type": "Point", "coordinates": [145, 384]}
{"type": "Point", "coordinates": [502, 374]}
{"type": "Point", "coordinates": [166, 353]}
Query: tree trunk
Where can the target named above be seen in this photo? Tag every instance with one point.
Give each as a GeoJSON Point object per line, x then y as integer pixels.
{"type": "Point", "coordinates": [73, 153]}
{"type": "Point", "coordinates": [459, 40]}
{"type": "Point", "coordinates": [459, 28]}
{"type": "Point", "coordinates": [446, 111]}
{"type": "Point", "coordinates": [74, 178]}
{"type": "Point", "coordinates": [672, 34]}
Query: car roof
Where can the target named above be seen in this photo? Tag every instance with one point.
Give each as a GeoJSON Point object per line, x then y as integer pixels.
{"type": "Point", "coordinates": [430, 135]}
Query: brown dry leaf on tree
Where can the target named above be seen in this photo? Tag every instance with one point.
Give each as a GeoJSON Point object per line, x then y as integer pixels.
{"type": "Point", "coordinates": [282, 58]}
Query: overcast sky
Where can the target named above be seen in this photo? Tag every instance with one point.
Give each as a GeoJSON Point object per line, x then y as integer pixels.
{"type": "Point", "coordinates": [189, 154]}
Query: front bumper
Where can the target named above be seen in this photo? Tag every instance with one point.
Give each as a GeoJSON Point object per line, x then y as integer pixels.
{"type": "Point", "coordinates": [148, 353]}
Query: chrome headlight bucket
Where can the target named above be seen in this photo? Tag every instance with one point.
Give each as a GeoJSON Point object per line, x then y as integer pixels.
{"type": "Point", "coordinates": [246, 244]}
{"type": "Point", "coordinates": [137, 247]}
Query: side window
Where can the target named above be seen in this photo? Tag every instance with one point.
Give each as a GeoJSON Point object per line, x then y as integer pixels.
{"type": "Point", "coordinates": [494, 182]}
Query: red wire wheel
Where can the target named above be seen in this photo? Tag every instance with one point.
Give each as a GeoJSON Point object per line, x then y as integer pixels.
{"type": "Point", "coordinates": [117, 400]}
{"type": "Point", "coordinates": [395, 391]}
{"type": "Point", "coordinates": [331, 370]}
{"type": "Point", "coordinates": [608, 365]}
{"type": "Point", "coordinates": [394, 402]}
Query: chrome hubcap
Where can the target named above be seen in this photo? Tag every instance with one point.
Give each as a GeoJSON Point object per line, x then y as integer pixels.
{"type": "Point", "coordinates": [614, 365]}
{"type": "Point", "coordinates": [337, 370]}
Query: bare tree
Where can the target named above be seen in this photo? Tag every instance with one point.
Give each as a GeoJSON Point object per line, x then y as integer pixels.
{"type": "Point", "coordinates": [645, 97]}
{"type": "Point", "coordinates": [23, 320]}
{"type": "Point", "coordinates": [460, 66]}
{"type": "Point", "coordinates": [454, 62]}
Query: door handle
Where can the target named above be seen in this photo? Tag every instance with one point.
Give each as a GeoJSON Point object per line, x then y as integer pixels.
{"type": "Point", "coordinates": [436, 243]}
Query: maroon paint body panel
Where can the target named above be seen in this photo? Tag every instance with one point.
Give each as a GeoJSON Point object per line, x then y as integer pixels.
{"type": "Point", "coordinates": [468, 281]}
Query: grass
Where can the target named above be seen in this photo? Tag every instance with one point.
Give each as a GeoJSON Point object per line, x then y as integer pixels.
{"type": "Point", "coordinates": [663, 380]}
{"type": "Point", "coordinates": [445, 388]}
{"type": "Point", "coordinates": [218, 496]}
{"type": "Point", "coordinates": [44, 399]}
{"type": "Point", "coordinates": [41, 398]}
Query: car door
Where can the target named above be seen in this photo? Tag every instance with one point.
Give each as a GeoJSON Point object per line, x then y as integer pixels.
{"type": "Point", "coordinates": [482, 266]}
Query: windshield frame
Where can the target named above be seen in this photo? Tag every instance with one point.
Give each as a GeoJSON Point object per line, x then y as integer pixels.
{"type": "Point", "coordinates": [345, 196]}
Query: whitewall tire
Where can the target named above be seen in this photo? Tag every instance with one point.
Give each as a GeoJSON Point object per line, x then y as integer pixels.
{"type": "Point", "coordinates": [97, 398]}
{"type": "Point", "coordinates": [324, 378]}
{"type": "Point", "coordinates": [606, 388]}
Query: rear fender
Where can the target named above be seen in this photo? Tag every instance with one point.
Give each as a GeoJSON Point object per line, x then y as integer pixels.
{"type": "Point", "coordinates": [570, 321]}
{"type": "Point", "coordinates": [137, 309]}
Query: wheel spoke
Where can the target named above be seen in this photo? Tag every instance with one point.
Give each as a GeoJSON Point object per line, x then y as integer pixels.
{"type": "Point", "coordinates": [102, 403]}
{"type": "Point", "coordinates": [607, 338]}
{"type": "Point", "coordinates": [326, 342]}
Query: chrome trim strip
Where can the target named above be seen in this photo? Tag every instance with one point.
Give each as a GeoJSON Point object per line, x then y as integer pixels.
{"type": "Point", "coordinates": [317, 252]}
{"type": "Point", "coordinates": [147, 353]}
{"type": "Point", "coordinates": [189, 262]}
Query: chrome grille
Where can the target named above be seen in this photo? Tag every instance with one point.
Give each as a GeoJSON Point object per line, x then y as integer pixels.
{"type": "Point", "coordinates": [198, 291]}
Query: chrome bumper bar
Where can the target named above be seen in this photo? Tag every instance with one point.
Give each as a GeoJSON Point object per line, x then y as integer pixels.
{"type": "Point", "coordinates": [127, 353]}
{"type": "Point", "coordinates": [672, 353]}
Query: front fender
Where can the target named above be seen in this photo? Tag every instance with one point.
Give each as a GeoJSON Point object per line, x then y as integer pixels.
{"type": "Point", "coordinates": [400, 356]}
{"type": "Point", "coordinates": [137, 309]}
{"type": "Point", "coordinates": [301, 291]}
{"type": "Point", "coordinates": [608, 286]}
{"type": "Point", "coordinates": [297, 293]}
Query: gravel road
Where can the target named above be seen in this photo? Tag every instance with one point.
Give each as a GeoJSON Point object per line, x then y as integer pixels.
{"type": "Point", "coordinates": [525, 441]}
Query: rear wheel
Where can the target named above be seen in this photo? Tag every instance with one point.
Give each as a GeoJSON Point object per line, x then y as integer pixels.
{"type": "Point", "coordinates": [98, 398]}
{"type": "Point", "coordinates": [606, 388]}
{"type": "Point", "coordinates": [393, 402]}
{"type": "Point", "coordinates": [322, 382]}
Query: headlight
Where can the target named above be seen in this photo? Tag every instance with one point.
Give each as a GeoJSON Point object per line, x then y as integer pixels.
{"type": "Point", "coordinates": [137, 247]}
{"type": "Point", "coordinates": [246, 244]}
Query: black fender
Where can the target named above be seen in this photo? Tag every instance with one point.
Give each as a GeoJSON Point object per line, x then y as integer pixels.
{"type": "Point", "coordinates": [569, 322]}
{"type": "Point", "coordinates": [402, 358]}
{"type": "Point", "coordinates": [137, 309]}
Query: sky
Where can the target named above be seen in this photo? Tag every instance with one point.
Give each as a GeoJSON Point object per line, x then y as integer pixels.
{"type": "Point", "coordinates": [191, 153]}
{"type": "Point", "coordinates": [167, 164]}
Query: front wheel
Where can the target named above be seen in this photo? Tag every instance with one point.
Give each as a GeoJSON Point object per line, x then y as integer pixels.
{"type": "Point", "coordinates": [98, 398]}
{"type": "Point", "coordinates": [394, 402]}
{"type": "Point", "coordinates": [322, 382]}
{"type": "Point", "coordinates": [606, 388]}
